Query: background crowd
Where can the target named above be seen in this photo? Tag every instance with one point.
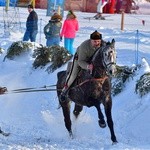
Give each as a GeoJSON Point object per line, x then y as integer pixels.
{"type": "Point", "coordinates": [54, 30]}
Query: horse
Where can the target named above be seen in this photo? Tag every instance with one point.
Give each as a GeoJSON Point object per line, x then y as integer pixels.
{"type": "Point", "coordinates": [94, 88]}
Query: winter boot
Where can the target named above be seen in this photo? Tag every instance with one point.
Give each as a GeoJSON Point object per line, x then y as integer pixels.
{"type": "Point", "coordinates": [97, 16]}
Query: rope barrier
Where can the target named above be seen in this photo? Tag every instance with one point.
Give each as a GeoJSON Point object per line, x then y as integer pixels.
{"type": "Point", "coordinates": [136, 47]}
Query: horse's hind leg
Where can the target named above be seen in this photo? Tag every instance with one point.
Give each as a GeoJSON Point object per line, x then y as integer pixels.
{"type": "Point", "coordinates": [77, 110]}
{"type": "Point", "coordinates": [66, 113]}
{"type": "Point", "coordinates": [108, 106]}
{"type": "Point", "coordinates": [101, 121]}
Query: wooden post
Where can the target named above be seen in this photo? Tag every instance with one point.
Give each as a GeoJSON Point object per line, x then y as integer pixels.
{"type": "Point", "coordinates": [122, 20]}
{"type": "Point", "coordinates": [59, 10]}
{"type": "Point", "coordinates": [7, 5]}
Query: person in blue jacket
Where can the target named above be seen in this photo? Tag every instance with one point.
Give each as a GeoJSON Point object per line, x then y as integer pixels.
{"type": "Point", "coordinates": [31, 25]}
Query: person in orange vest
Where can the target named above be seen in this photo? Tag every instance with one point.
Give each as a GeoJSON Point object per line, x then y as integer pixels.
{"type": "Point", "coordinates": [110, 7]}
{"type": "Point", "coordinates": [112, 4]}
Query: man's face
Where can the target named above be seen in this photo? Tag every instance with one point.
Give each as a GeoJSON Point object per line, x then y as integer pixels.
{"type": "Point", "coordinates": [96, 43]}
{"type": "Point", "coordinates": [30, 9]}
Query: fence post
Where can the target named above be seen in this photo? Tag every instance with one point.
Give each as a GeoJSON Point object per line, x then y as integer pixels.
{"type": "Point", "coordinates": [122, 20]}
{"type": "Point", "coordinates": [137, 47]}
{"type": "Point", "coordinates": [7, 5]}
{"type": "Point", "coordinates": [59, 11]}
{"type": "Point", "coordinates": [40, 30]}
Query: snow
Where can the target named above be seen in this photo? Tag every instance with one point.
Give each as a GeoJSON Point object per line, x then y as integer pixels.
{"type": "Point", "coordinates": [33, 119]}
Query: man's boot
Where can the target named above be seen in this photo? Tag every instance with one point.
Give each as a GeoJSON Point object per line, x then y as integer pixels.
{"type": "Point", "coordinates": [63, 95]}
{"type": "Point", "coordinates": [97, 16]}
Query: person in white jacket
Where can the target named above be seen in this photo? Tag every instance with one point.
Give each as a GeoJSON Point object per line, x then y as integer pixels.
{"type": "Point", "coordinates": [100, 6]}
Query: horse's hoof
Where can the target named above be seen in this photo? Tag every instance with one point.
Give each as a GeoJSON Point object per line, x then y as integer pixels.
{"type": "Point", "coordinates": [71, 134]}
{"type": "Point", "coordinates": [76, 114]}
{"type": "Point", "coordinates": [114, 143]}
{"type": "Point", "coordinates": [102, 123]}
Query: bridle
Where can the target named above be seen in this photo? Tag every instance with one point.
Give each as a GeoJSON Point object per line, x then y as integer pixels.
{"type": "Point", "coordinates": [106, 52]}
{"type": "Point", "coordinates": [112, 53]}
{"type": "Point", "coordinates": [111, 56]}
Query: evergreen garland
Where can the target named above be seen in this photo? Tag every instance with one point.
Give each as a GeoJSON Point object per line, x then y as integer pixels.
{"type": "Point", "coordinates": [42, 57]}
{"type": "Point", "coordinates": [57, 55]}
{"type": "Point", "coordinates": [1, 50]}
{"type": "Point", "coordinates": [17, 48]}
{"type": "Point", "coordinates": [122, 76]}
{"type": "Point", "coordinates": [143, 84]}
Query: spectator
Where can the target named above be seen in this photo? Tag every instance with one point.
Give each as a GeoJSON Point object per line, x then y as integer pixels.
{"type": "Point", "coordinates": [31, 25]}
{"type": "Point", "coordinates": [52, 30]}
{"type": "Point", "coordinates": [118, 6]}
{"type": "Point", "coordinates": [129, 5]}
{"type": "Point", "coordinates": [69, 29]}
{"type": "Point", "coordinates": [100, 6]}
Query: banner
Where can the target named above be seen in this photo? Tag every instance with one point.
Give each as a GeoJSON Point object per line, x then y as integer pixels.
{"type": "Point", "coordinates": [54, 6]}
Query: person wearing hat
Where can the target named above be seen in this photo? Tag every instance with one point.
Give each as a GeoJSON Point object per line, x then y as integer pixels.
{"type": "Point", "coordinates": [81, 60]}
{"type": "Point", "coordinates": [52, 30]}
{"type": "Point", "coordinates": [69, 29]}
{"type": "Point", "coordinates": [31, 25]}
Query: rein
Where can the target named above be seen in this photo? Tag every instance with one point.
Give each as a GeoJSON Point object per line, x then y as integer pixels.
{"type": "Point", "coordinates": [94, 79]}
{"type": "Point", "coordinates": [100, 80]}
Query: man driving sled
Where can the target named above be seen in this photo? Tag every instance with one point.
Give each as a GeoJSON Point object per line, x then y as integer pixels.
{"type": "Point", "coordinates": [81, 60]}
{"type": "Point", "coordinates": [3, 90]}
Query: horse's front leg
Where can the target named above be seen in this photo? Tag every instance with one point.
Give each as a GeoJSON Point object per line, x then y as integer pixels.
{"type": "Point", "coordinates": [108, 106]}
{"type": "Point", "coordinates": [66, 112]}
{"type": "Point", "coordinates": [101, 121]}
{"type": "Point", "coordinates": [77, 110]}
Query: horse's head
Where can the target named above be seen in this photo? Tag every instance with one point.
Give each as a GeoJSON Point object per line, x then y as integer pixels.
{"type": "Point", "coordinates": [105, 58]}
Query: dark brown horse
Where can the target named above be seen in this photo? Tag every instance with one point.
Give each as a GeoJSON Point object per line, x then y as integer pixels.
{"type": "Point", "coordinates": [95, 88]}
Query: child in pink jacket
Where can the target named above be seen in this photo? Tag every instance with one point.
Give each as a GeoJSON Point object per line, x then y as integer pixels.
{"type": "Point", "coordinates": [69, 29]}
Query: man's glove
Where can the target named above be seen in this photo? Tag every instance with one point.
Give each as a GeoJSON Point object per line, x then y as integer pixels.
{"type": "Point", "coordinates": [63, 94]}
{"type": "Point", "coordinates": [90, 68]}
